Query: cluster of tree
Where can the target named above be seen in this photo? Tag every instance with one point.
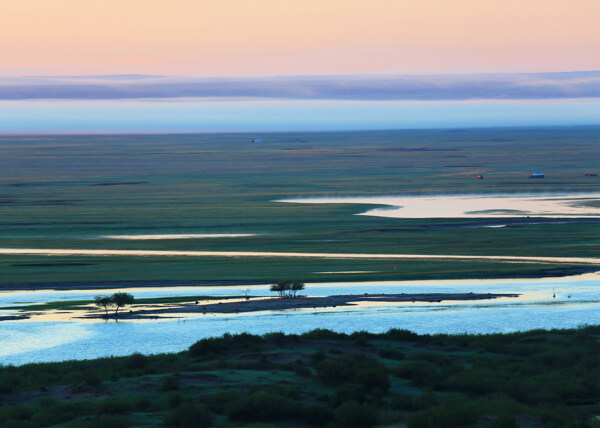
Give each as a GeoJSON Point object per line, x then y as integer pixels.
{"type": "Point", "coordinates": [287, 289]}
{"type": "Point", "coordinates": [118, 300]}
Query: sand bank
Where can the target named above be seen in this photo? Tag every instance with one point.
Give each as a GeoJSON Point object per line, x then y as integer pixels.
{"type": "Point", "coordinates": [261, 304]}
{"type": "Point", "coordinates": [471, 206]}
{"type": "Point", "coordinates": [178, 236]}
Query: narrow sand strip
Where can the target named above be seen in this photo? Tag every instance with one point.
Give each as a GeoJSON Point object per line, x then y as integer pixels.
{"type": "Point", "coordinates": [125, 253]}
{"type": "Point", "coordinates": [178, 236]}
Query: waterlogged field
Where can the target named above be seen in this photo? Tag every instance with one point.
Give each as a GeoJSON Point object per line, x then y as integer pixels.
{"type": "Point", "coordinates": [220, 193]}
{"type": "Point", "coordinates": [54, 334]}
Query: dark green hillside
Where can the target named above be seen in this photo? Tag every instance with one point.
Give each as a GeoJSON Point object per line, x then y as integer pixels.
{"type": "Point", "coordinates": [321, 378]}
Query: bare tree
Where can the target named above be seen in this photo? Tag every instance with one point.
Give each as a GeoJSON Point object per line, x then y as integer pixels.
{"type": "Point", "coordinates": [296, 286]}
{"type": "Point", "coordinates": [104, 302]}
{"type": "Point", "coordinates": [121, 299]}
{"type": "Point", "coordinates": [281, 287]}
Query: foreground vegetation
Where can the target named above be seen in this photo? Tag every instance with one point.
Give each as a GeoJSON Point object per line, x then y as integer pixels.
{"type": "Point", "coordinates": [322, 378]}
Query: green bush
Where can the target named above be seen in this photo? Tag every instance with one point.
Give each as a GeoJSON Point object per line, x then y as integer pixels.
{"type": "Point", "coordinates": [189, 415]}
{"type": "Point", "coordinates": [115, 406]}
{"type": "Point", "coordinates": [103, 421]}
{"type": "Point", "coordinates": [144, 404]}
{"type": "Point", "coordinates": [264, 406]}
{"type": "Point", "coordinates": [353, 368]}
{"type": "Point", "coordinates": [422, 373]}
{"type": "Point", "coordinates": [452, 412]}
{"type": "Point", "coordinates": [219, 402]}
{"type": "Point", "coordinates": [136, 361]}
{"type": "Point", "coordinates": [317, 415]}
{"type": "Point", "coordinates": [92, 379]}
{"type": "Point", "coordinates": [391, 354]}
{"type": "Point", "coordinates": [173, 399]}
{"type": "Point", "coordinates": [323, 334]}
{"type": "Point", "coordinates": [353, 414]}
{"type": "Point", "coordinates": [404, 335]}
{"type": "Point", "coordinates": [348, 392]}
{"type": "Point", "coordinates": [413, 402]}
{"type": "Point", "coordinates": [213, 345]}
{"type": "Point", "coordinates": [169, 383]}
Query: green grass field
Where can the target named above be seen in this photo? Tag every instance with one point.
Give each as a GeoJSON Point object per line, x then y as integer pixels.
{"type": "Point", "coordinates": [65, 192]}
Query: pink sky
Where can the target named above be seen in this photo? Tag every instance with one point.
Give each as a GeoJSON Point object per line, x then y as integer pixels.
{"type": "Point", "coordinates": [297, 37]}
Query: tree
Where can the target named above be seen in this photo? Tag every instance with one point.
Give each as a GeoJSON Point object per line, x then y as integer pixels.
{"type": "Point", "coordinates": [104, 302]}
{"type": "Point", "coordinates": [281, 287]}
{"type": "Point", "coordinates": [121, 299]}
{"type": "Point", "coordinates": [296, 286]}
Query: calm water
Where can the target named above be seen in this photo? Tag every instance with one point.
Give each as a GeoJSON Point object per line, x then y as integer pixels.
{"type": "Point", "coordinates": [577, 302]}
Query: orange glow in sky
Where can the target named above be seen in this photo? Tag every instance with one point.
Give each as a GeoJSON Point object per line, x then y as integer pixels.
{"type": "Point", "coordinates": [297, 37]}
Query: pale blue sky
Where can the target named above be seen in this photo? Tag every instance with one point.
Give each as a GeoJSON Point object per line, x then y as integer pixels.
{"type": "Point", "coordinates": [238, 115]}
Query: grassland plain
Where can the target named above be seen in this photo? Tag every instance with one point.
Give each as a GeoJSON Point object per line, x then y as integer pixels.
{"type": "Point", "coordinates": [72, 191]}
{"type": "Point", "coordinates": [322, 378]}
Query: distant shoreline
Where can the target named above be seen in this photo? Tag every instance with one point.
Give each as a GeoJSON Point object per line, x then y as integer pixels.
{"type": "Point", "coordinates": [128, 285]}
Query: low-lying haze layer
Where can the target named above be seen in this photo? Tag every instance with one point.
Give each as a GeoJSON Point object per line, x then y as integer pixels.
{"type": "Point", "coordinates": [368, 87]}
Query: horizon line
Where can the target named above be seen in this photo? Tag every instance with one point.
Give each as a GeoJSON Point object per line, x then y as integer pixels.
{"type": "Point", "coordinates": [254, 133]}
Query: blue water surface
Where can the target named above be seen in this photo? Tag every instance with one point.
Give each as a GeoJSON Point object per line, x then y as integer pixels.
{"type": "Point", "coordinates": [546, 303]}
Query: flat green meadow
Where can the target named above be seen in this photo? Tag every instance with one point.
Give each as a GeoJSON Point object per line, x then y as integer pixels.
{"type": "Point", "coordinates": [71, 191]}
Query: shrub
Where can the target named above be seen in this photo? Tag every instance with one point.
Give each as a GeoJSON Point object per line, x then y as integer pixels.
{"type": "Point", "coordinates": [143, 404]}
{"type": "Point", "coordinates": [104, 421]}
{"type": "Point", "coordinates": [361, 338]}
{"type": "Point", "coordinates": [92, 379]}
{"type": "Point", "coordinates": [391, 353]}
{"type": "Point", "coordinates": [263, 406]}
{"type": "Point", "coordinates": [348, 392]}
{"type": "Point", "coordinates": [189, 414]}
{"type": "Point", "coordinates": [169, 383]}
{"type": "Point", "coordinates": [301, 370]}
{"type": "Point", "coordinates": [317, 357]}
{"type": "Point", "coordinates": [317, 415]}
{"type": "Point", "coordinates": [277, 336]}
{"type": "Point", "coordinates": [323, 334]}
{"type": "Point", "coordinates": [212, 345]}
{"type": "Point", "coordinates": [412, 402]}
{"type": "Point", "coordinates": [174, 399]}
{"type": "Point", "coordinates": [366, 373]}
{"type": "Point", "coordinates": [453, 412]}
{"type": "Point", "coordinates": [421, 372]}
{"type": "Point", "coordinates": [403, 335]}
{"type": "Point", "coordinates": [115, 406]}
{"type": "Point", "coordinates": [353, 414]}
{"type": "Point", "coordinates": [136, 361]}
{"type": "Point", "coordinates": [220, 401]}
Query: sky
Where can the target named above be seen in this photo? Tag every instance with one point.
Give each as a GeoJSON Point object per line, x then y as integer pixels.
{"type": "Point", "coordinates": [84, 66]}
{"type": "Point", "coordinates": [207, 38]}
{"type": "Point", "coordinates": [259, 116]}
